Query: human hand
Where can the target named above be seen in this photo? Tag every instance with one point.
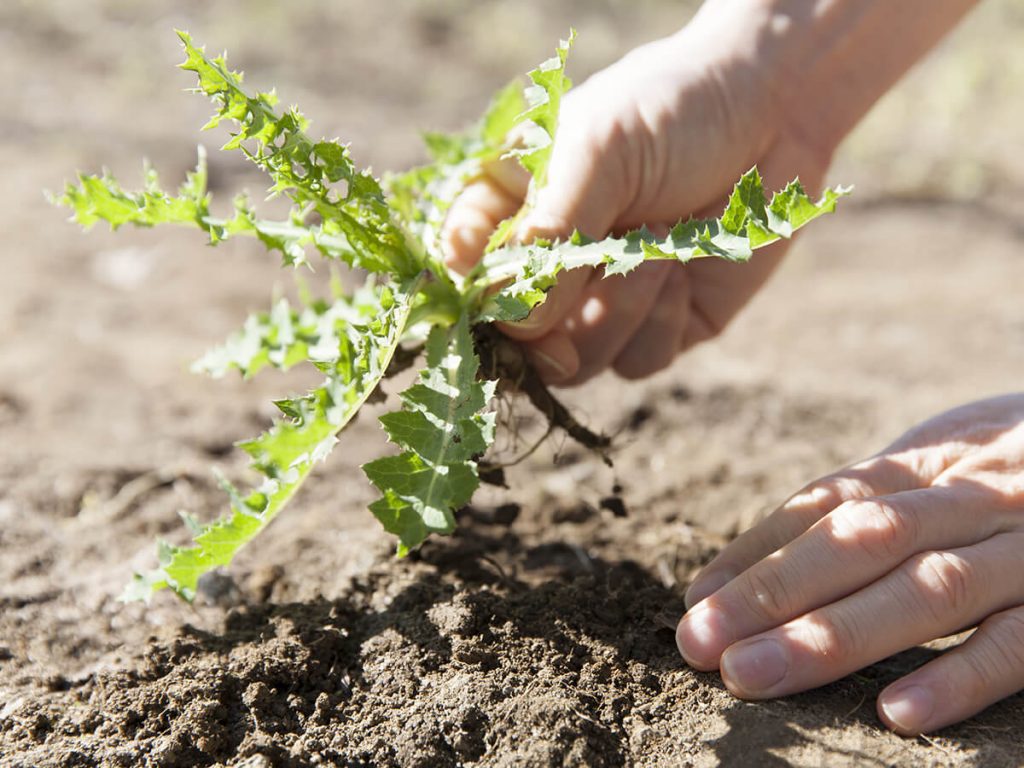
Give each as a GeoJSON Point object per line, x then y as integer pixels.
{"type": "Point", "coordinates": [658, 136]}
{"type": "Point", "coordinates": [918, 542]}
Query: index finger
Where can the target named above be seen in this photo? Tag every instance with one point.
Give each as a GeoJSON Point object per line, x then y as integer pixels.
{"type": "Point", "coordinates": [875, 477]}
{"type": "Point", "coordinates": [485, 202]}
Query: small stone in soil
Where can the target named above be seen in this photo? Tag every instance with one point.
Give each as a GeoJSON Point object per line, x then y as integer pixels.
{"type": "Point", "coordinates": [574, 513]}
{"type": "Point", "coordinates": [615, 505]}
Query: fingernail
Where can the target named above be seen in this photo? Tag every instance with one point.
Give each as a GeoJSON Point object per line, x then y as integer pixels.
{"type": "Point", "coordinates": [705, 586]}
{"type": "Point", "coordinates": [546, 361]}
{"type": "Point", "coordinates": [755, 667]}
{"type": "Point", "coordinates": [909, 709]}
{"type": "Point", "coordinates": [701, 636]}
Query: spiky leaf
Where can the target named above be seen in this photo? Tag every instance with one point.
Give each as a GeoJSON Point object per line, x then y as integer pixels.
{"type": "Point", "coordinates": [317, 175]}
{"type": "Point", "coordinates": [442, 428]}
{"type": "Point", "coordinates": [285, 454]}
{"type": "Point", "coordinates": [101, 198]}
{"type": "Point", "coordinates": [541, 119]}
{"type": "Point", "coordinates": [423, 195]}
{"type": "Point", "coordinates": [444, 424]}
{"type": "Point", "coordinates": [284, 337]}
{"type": "Point", "coordinates": [748, 223]}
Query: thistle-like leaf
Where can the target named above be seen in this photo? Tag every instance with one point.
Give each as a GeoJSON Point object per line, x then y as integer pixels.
{"type": "Point", "coordinates": [101, 198]}
{"type": "Point", "coordinates": [749, 222]}
{"type": "Point", "coordinates": [540, 121]}
{"type": "Point", "coordinates": [423, 195]}
{"type": "Point", "coordinates": [442, 428]}
{"type": "Point", "coordinates": [284, 336]}
{"type": "Point", "coordinates": [535, 130]}
{"type": "Point", "coordinates": [444, 424]}
{"type": "Point", "coordinates": [317, 175]}
{"type": "Point", "coordinates": [286, 453]}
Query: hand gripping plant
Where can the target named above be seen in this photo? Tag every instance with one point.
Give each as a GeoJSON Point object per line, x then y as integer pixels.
{"type": "Point", "coordinates": [410, 303]}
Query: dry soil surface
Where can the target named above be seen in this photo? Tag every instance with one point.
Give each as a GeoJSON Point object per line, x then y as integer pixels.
{"type": "Point", "coordinates": [541, 633]}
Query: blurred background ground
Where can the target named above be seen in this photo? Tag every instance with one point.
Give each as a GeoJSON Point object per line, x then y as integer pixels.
{"type": "Point", "coordinates": [904, 304]}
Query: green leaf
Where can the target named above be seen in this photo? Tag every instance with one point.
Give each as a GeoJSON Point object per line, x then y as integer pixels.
{"type": "Point", "coordinates": [285, 454]}
{"type": "Point", "coordinates": [541, 119]}
{"type": "Point", "coordinates": [442, 428]}
{"type": "Point", "coordinates": [536, 128]}
{"type": "Point", "coordinates": [305, 170]}
{"type": "Point", "coordinates": [502, 115]}
{"type": "Point", "coordinates": [101, 198]}
{"type": "Point", "coordinates": [422, 196]}
{"type": "Point", "coordinates": [748, 223]}
{"type": "Point", "coordinates": [444, 424]}
{"type": "Point", "coordinates": [355, 223]}
{"type": "Point", "coordinates": [285, 337]}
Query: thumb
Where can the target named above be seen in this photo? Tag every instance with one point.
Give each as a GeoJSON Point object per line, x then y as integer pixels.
{"type": "Point", "coordinates": [585, 190]}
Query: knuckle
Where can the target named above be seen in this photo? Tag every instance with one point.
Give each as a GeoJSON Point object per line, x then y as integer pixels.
{"type": "Point", "coordinates": [879, 528]}
{"type": "Point", "coordinates": [766, 594]}
{"type": "Point", "coordinates": [834, 636]}
{"type": "Point", "coordinates": [826, 495]}
{"type": "Point", "coordinates": [1006, 632]}
{"type": "Point", "coordinates": [843, 486]}
{"type": "Point", "coordinates": [993, 653]}
{"type": "Point", "coordinates": [977, 673]}
{"type": "Point", "coordinates": [1006, 484]}
{"type": "Point", "coordinates": [609, 130]}
{"type": "Point", "coordinates": [945, 581]}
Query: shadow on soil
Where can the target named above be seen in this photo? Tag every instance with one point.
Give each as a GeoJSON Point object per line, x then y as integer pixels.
{"type": "Point", "coordinates": [472, 608]}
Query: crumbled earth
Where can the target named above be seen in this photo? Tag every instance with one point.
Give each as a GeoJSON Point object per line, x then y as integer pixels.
{"type": "Point", "coordinates": [541, 633]}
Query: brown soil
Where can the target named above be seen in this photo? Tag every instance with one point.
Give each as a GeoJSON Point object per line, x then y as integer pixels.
{"type": "Point", "coordinates": [540, 634]}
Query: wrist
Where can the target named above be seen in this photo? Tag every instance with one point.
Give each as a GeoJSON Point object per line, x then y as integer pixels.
{"type": "Point", "coordinates": [824, 63]}
{"type": "Point", "coordinates": [833, 59]}
{"type": "Point", "coordinates": [772, 49]}
{"type": "Point", "coordinates": [753, 49]}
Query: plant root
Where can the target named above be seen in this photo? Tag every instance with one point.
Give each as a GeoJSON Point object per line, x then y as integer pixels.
{"type": "Point", "coordinates": [504, 360]}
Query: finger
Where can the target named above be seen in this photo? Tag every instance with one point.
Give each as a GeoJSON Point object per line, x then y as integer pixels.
{"type": "Point", "coordinates": [722, 288]}
{"type": "Point", "coordinates": [554, 357]}
{"type": "Point", "coordinates": [585, 192]}
{"type": "Point", "coordinates": [510, 175]}
{"type": "Point", "coordinates": [877, 476]}
{"type": "Point", "coordinates": [560, 300]}
{"type": "Point", "coordinates": [962, 682]}
{"type": "Point", "coordinates": [585, 189]}
{"type": "Point", "coordinates": [855, 544]}
{"type": "Point", "coordinates": [656, 343]}
{"type": "Point", "coordinates": [578, 196]}
{"type": "Point", "coordinates": [481, 206]}
{"type": "Point", "coordinates": [609, 311]}
{"type": "Point", "coordinates": [931, 595]}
